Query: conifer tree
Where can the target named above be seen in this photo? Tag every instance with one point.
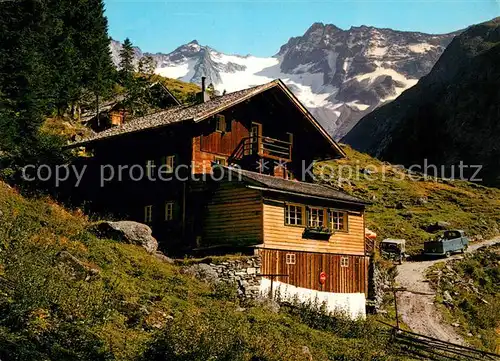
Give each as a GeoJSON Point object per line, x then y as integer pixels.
{"type": "Point", "coordinates": [148, 65]}
{"type": "Point", "coordinates": [52, 53]}
{"type": "Point", "coordinates": [25, 89]}
{"type": "Point", "coordinates": [127, 61]}
{"type": "Point", "coordinates": [99, 71]}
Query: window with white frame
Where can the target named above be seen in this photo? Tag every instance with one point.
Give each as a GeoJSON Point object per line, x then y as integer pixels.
{"type": "Point", "coordinates": [338, 220]}
{"type": "Point", "coordinates": [150, 164]}
{"type": "Point", "coordinates": [294, 214]}
{"type": "Point", "coordinates": [220, 160]}
{"type": "Point", "coordinates": [344, 262]}
{"type": "Point", "coordinates": [148, 214]}
{"type": "Point", "coordinates": [220, 123]}
{"type": "Point", "coordinates": [169, 162]}
{"type": "Point", "coordinates": [169, 211]}
{"type": "Point", "coordinates": [316, 217]}
{"type": "Point", "coordinates": [290, 258]}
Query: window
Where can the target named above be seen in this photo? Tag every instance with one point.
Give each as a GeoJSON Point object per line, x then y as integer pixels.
{"type": "Point", "coordinates": [344, 262]}
{"type": "Point", "coordinates": [169, 162]}
{"type": "Point", "coordinates": [150, 164]}
{"type": "Point", "coordinates": [316, 217]}
{"type": "Point", "coordinates": [338, 220]}
{"type": "Point", "coordinates": [220, 161]}
{"type": "Point", "coordinates": [169, 211]}
{"type": "Point", "coordinates": [294, 215]}
{"type": "Point", "coordinates": [220, 123]}
{"type": "Point", "coordinates": [290, 258]}
{"type": "Point", "coordinates": [148, 214]}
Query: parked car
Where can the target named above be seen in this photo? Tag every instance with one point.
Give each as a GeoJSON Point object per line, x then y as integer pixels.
{"type": "Point", "coordinates": [393, 249]}
{"type": "Point", "coordinates": [446, 244]}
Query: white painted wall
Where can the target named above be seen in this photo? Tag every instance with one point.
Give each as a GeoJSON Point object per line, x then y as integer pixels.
{"type": "Point", "coordinates": [352, 304]}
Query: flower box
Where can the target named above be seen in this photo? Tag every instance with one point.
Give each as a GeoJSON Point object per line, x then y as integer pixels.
{"type": "Point", "coordinates": [321, 233]}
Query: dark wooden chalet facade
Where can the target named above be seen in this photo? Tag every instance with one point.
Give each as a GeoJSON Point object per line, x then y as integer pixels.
{"type": "Point", "coordinates": [255, 144]}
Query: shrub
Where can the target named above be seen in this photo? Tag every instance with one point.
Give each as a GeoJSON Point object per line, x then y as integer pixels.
{"type": "Point", "coordinates": [215, 335]}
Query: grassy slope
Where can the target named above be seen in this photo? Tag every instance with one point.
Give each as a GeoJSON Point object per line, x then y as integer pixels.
{"type": "Point", "coordinates": [182, 90]}
{"type": "Point", "coordinates": [50, 310]}
{"type": "Point", "coordinates": [421, 202]}
{"type": "Point", "coordinates": [474, 286]}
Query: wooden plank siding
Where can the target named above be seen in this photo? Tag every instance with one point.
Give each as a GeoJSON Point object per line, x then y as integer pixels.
{"type": "Point", "coordinates": [224, 143]}
{"type": "Point", "coordinates": [277, 235]}
{"type": "Point", "coordinates": [308, 266]}
{"type": "Point", "coordinates": [233, 215]}
{"type": "Point", "coordinates": [221, 144]}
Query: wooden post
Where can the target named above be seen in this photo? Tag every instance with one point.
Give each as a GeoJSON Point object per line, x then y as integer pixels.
{"type": "Point", "coordinates": [97, 110]}
{"type": "Point", "coordinates": [271, 276]}
{"type": "Point", "coordinates": [394, 292]}
{"type": "Point", "coordinates": [184, 210]}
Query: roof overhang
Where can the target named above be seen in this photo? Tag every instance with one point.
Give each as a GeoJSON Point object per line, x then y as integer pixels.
{"type": "Point", "coordinates": [305, 195]}
{"type": "Point", "coordinates": [278, 83]}
{"type": "Point", "coordinates": [204, 115]}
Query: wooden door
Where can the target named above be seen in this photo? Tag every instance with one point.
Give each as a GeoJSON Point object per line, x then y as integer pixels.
{"type": "Point", "coordinates": [255, 138]}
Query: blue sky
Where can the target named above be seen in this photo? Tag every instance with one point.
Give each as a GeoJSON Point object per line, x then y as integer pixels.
{"type": "Point", "coordinates": [260, 27]}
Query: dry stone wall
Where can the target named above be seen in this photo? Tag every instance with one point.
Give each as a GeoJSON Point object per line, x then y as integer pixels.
{"type": "Point", "coordinates": [242, 271]}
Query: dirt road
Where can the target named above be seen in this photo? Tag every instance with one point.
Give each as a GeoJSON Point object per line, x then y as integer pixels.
{"type": "Point", "coordinates": [418, 311]}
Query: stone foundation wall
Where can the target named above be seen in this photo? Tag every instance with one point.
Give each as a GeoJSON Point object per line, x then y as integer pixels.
{"type": "Point", "coordinates": [241, 271]}
{"type": "Point", "coordinates": [244, 273]}
{"type": "Point", "coordinates": [378, 283]}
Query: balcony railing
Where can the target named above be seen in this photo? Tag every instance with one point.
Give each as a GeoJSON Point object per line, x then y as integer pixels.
{"type": "Point", "coordinates": [265, 147]}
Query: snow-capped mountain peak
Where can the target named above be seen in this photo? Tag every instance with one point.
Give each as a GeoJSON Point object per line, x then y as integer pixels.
{"type": "Point", "coordinates": [340, 75]}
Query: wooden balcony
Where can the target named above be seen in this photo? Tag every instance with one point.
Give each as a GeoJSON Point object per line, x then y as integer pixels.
{"type": "Point", "coordinates": [264, 147]}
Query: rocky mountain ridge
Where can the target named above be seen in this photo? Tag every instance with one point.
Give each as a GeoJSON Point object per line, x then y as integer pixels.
{"type": "Point", "coordinates": [340, 75]}
{"type": "Point", "coordinates": [450, 116]}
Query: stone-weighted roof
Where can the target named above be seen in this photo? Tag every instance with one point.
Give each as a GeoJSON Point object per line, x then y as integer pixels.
{"type": "Point", "coordinates": [196, 112]}
{"type": "Point", "coordinates": [201, 111]}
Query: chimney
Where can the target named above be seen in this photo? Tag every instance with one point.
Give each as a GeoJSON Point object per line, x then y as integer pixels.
{"type": "Point", "coordinates": [203, 96]}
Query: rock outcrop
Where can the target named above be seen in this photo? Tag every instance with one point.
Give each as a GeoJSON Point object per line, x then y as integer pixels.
{"type": "Point", "coordinates": [340, 75]}
{"type": "Point", "coordinates": [450, 118]}
{"type": "Point", "coordinates": [128, 232]}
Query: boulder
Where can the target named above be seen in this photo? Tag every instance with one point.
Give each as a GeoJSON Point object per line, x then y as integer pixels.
{"type": "Point", "coordinates": [202, 271]}
{"type": "Point", "coordinates": [443, 225]}
{"type": "Point", "coordinates": [307, 353]}
{"type": "Point", "coordinates": [400, 205]}
{"type": "Point", "coordinates": [127, 232]}
{"type": "Point", "coordinates": [438, 226]}
{"type": "Point", "coordinates": [422, 200]}
{"type": "Point", "coordinates": [79, 269]}
{"type": "Point", "coordinates": [407, 215]}
{"type": "Point", "coordinates": [164, 258]}
{"type": "Point", "coordinates": [447, 297]}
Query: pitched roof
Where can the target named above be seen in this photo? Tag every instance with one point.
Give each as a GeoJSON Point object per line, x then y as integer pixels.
{"type": "Point", "coordinates": [167, 91]}
{"type": "Point", "coordinates": [199, 112]}
{"type": "Point", "coordinates": [267, 182]}
{"type": "Point", "coordinates": [176, 114]}
{"type": "Point", "coordinates": [117, 99]}
{"type": "Point", "coordinates": [103, 107]}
